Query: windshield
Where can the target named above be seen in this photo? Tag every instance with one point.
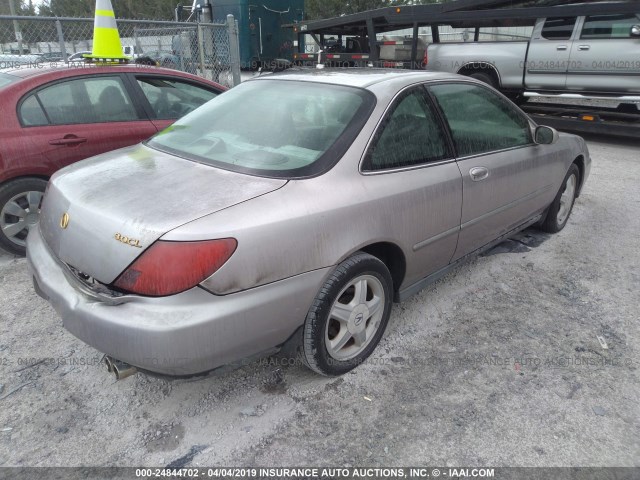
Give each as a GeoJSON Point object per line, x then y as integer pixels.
{"type": "Point", "coordinates": [271, 128]}
{"type": "Point", "coordinates": [6, 79]}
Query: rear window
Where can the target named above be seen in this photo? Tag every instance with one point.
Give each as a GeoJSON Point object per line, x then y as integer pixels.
{"type": "Point", "coordinates": [558, 28]}
{"type": "Point", "coordinates": [274, 128]}
{"type": "Point", "coordinates": [6, 79]}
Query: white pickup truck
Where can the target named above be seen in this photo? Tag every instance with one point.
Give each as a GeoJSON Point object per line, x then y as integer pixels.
{"type": "Point", "coordinates": [595, 56]}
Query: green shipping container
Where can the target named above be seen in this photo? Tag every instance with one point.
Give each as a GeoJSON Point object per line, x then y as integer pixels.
{"type": "Point", "coordinates": [262, 38]}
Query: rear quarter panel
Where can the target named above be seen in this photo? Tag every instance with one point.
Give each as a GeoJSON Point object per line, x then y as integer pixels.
{"type": "Point", "coordinates": [315, 223]}
{"type": "Point", "coordinates": [309, 224]}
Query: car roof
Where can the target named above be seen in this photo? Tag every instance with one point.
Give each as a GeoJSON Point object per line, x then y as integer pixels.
{"type": "Point", "coordinates": [357, 77]}
{"type": "Point", "coordinates": [31, 71]}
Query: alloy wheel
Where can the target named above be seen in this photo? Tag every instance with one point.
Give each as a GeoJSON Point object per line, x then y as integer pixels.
{"type": "Point", "coordinates": [566, 199]}
{"type": "Point", "coordinates": [355, 317]}
{"type": "Point", "coordinates": [19, 215]}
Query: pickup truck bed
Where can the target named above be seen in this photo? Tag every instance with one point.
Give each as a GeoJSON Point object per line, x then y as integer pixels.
{"type": "Point", "coordinates": [505, 58]}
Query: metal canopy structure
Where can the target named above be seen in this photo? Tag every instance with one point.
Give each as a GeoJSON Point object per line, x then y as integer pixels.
{"type": "Point", "coordinates": [457, 14]}
{"type": "Point", "coordinates": [462, 13]}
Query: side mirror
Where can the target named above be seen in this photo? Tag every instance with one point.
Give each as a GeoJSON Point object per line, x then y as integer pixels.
{"type": "Point", "coordinates": [635, 31]}
{"type": "Point", "coordinates": [546, 135]}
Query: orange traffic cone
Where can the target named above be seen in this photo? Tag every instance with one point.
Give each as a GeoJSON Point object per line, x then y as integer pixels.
{"type": "Point", "coordinates": [106, 39]}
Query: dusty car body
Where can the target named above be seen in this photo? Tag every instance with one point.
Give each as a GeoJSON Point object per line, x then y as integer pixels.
{"type": "Point", "coordinates": [324, 247]}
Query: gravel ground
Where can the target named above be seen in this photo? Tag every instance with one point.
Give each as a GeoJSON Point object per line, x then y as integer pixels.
{"type": "Point", "coordinates": [497, 364]}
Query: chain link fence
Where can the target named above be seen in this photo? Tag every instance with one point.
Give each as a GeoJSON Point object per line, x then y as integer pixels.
{"type": "Point", "coordinates": [210, 50]}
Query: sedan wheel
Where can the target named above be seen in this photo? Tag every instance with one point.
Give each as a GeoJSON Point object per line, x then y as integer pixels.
{"type": "Point", "coordinates": [560, 209]}
{"type": "Point", "coordinates": [20, 203]}
{"type": "Point", "coordinates": [566, 199]}
{"type": "Point", "coordinates": [348, 316]}
{"type": "Point", "coordinates": [355, 317]}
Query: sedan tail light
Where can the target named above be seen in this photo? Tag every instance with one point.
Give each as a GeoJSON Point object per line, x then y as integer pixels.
{"type": "Point", "coordinates": [167, 268]}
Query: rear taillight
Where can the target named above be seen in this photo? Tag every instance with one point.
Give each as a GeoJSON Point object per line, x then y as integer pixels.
{"type": "Point", "coordinates": [167, 268]}
{"type": "Point", "coordinates": [425, 59]}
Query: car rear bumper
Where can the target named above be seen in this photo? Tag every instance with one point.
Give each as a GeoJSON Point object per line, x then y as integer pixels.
{"type": "Point", "coordinates": [182, 334]}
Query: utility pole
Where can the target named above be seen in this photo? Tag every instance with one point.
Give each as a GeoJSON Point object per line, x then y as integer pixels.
{"type": "Point", "coordinates": [16, 26]}
{"type": "Point", "coordinates": [207, 12]}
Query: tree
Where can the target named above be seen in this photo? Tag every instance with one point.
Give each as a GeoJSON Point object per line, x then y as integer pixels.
{"type": "Point", "coordinates": [67, 8]}
{"type": "Point", "coordinates": [21, 7]}
{"type": "Point", "coordinates": [10, 30]}
{"type": "Point", "coordinates": [130, 9]}
{"type": "Point", "coordinates": [4, 7]}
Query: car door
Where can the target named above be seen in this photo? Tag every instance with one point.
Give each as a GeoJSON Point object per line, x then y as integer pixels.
{"type": "Point", "coordinates": [168, 98]}
{"type": "Point", "coordinates": [606, 56]}
{"type": "Point", "coordinates": [505, 175]}
{"type": "Point", "coordinates": [410, 164]}
{"type": "Point", "coordinates": [78, 118]}
{"type": "Point", "coordinates": [548, 55]}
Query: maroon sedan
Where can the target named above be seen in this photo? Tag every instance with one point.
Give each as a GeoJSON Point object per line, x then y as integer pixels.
{"type": "Point", "coordinates": [51, 117]}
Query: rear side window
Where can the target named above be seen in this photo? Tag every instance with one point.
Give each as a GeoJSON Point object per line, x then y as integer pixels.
{"type": "Point", "coordinates": [409, 135]}
{"type": "Point", "coordinates": [480, 120]}
{"type": "Point", "coordinates": [82, 100]}
{"type": "Point", "coordinates": [558, 28]}
{"type": "Point", "coordinates": [171, 99]}
{"type": "Point", "coordinates": [609, 26]}
{"type": "Point", "coordinates": [31, 113]}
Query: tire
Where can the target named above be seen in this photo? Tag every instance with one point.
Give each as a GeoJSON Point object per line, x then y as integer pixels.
{"type": "Point", "coordinates": [20, 202]}
{"type": "Point", "coordinates": [340, 315]}
{"type": "Point", "coordinates": [484, 77]}
{"type": "Point", "coordinates": [559, 211]}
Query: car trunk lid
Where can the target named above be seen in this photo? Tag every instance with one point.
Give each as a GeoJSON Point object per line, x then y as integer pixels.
{"type": "Point", "coordinates": [99, 215]}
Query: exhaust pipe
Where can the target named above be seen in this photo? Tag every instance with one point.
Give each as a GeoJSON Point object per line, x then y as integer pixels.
{"type": "Point", "coordinates": [108, 361]}
{"type": "Point", "coordinates": [119, 368]}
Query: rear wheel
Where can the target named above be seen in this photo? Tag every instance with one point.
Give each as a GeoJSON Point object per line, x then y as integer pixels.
{"type": "Point", "coordinates": [560, 209]}
{"type": "Point", "coordinates": [348, 316]}
{"type": "Point", "coordinates": [20, 202]}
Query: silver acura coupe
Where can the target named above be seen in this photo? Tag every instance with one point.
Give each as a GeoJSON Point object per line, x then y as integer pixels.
{"type": "Point", "coordinates": [296, 205]}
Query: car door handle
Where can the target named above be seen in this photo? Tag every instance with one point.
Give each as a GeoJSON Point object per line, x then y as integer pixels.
{"type": "Point", "coordinates": [478, 173]}
{"type": "Point", "coordinates": [584, 47]}
{"type": "Point", "coordinates": [68, 140]}
{"type": "Point", "coordinates": [561, 47]}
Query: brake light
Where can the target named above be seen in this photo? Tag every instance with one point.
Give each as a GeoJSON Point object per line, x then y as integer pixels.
{"type": "Point", "coordinates": [167, 268]}
{"type": "Point", "coordinates": [425, 59]}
